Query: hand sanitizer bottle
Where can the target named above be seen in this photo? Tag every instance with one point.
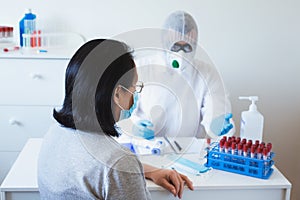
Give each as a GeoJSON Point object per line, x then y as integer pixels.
{"type": "Point", "coordinates": [252, 121]}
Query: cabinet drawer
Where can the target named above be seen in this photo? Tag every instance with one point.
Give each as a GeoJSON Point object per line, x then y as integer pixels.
{"type": "Point", "coordinates": [32, 81]}
{"type": "Point", "coordinates": [18, 123]}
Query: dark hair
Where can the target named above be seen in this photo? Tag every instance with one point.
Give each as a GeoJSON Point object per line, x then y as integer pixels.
{"type": "Point", "coordinates": [87, 102]}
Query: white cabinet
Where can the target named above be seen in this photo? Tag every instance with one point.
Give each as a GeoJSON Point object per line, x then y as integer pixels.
{"type": "Point", "coordinates": [30, 87]}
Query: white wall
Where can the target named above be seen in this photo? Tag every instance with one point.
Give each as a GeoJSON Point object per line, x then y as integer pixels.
{"type": "Point", "coordinates": [255, 45]}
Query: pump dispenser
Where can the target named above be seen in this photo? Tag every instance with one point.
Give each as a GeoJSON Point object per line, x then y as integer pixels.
{"type": "Point", "coordinates": [252, 121]}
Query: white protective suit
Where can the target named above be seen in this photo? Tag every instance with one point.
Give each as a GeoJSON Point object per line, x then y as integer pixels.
{"type": "Point", "coordinates": [180, 101]}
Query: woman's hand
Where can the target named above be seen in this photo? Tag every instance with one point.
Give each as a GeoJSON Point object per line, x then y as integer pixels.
{"type": "Point", "coordinates": [168, 179]}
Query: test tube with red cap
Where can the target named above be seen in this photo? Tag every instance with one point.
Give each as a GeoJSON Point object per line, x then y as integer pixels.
{"type": "Point", "coordinates": [39, 39]}
{"type": "Point", "coordinates": [252, 151]}
{"type": "Point", "coordinates": [249, 143]}
{"type": "Point", "coordinates": [265, 158]}
{"type": "Point", "coordinates": [261, 146]}
{"type": "Point", "coordinates": [1, 32]}
{"type": "Point", "coordinates": [259, 153]}
{"type": "Point", "coordinates": [245, 150]}
{"type": "Point", "coordinates": [256, 142]}
{"type": "Point", "coordinates": [226, 145]}
{"type": "Point", "coordinates": [256, 146]}
{"type": "Point", "coordinates": [6, 31]}
{"type": "Point", "coordinates": [33, 39]}
{"type": "Point", "coordinates": [221, 145]}
{"type": "Point", "coordinates": [244, 141]}
{"type": "Point", "coordinates": [238, 140]}
{"type": "Point", "coordinates": [224, 137]}
{"type": "Point", "coordinates": [233, 148]}
{"type": "Point", "coordinates": [265, 153]}
{"type": "Point", "coordinates": [240, 149]}
{"type": "Point", "coordinates": [233, 138]}
{"type": "Point", "coordinates": [269, 146]}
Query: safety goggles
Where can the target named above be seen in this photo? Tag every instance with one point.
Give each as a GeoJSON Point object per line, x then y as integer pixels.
{"type": "Point", "coordinates": [184, 47]}
{"type": "Point", "coordinates": [138, 87]}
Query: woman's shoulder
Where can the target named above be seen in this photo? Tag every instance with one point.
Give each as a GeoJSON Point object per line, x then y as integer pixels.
{"type": "Point", "coordinates": [106, 150]}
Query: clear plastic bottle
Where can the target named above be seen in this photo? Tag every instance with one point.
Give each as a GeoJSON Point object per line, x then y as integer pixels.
{"type": "Point", "coordinates": [252, 121]}
{"type": "Point", "coordinates": [27, 26]}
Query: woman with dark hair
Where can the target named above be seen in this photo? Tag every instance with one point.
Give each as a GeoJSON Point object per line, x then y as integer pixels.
{"type": "Point", "coordinates": [79, 159]}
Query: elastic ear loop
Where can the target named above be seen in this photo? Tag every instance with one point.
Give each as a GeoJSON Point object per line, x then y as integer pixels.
{"type": "Point", "coordinates": [118, 102]}
{"type": "Point", "coordinates": [127, 91]}
{"type": "Point", "coordinates": [120, 106]}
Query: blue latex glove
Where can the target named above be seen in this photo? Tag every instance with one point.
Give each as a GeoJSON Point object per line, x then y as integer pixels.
{"type": "Point", "coordinates": [142, 129]}
{"type": "Point", "coordinates": [221, 125]}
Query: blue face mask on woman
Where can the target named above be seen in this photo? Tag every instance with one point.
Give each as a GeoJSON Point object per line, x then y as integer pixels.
{"type": "Point", "coordinates": [125, 114]}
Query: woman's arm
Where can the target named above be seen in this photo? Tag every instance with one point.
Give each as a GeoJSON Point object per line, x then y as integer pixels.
{"type": "Point", "coordinates": [168, 179]}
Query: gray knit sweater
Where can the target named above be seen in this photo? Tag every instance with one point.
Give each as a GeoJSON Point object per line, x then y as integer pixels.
{"type": "Point", "coordinates": [78, 165]}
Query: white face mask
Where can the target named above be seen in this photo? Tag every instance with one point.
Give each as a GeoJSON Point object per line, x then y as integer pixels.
{"type": "Point", "coordinates": [178, 60]}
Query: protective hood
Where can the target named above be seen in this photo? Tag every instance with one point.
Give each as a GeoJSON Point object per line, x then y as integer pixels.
{"type": "Point", "coordinates": [181, 27]}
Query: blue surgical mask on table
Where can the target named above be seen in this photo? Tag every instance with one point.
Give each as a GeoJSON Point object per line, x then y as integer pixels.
{"type": "Point", "coordinates": [125, 114]}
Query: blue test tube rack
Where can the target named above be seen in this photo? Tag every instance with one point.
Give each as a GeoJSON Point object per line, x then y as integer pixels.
{"type": "Point", "coordinates": [244, 165]}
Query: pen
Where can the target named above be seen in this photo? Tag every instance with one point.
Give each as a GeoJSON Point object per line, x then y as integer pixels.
{"type": "Point", "coordinates": [170, 143]}
{"type": "Point", "coordinates": [177, 145]}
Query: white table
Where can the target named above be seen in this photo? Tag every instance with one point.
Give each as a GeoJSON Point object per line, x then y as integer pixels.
{"type": "Point", "coordinates": [21, 182]}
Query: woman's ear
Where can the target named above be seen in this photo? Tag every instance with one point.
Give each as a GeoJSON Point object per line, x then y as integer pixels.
{"type": "Point", "coordinates": [116, 96]}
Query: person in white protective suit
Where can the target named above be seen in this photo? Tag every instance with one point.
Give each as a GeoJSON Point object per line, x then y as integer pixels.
{"type": "Point", "coordinates": [183, 92]}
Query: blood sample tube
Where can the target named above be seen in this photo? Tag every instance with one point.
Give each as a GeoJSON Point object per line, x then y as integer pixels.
{"type": "Point", "coordinates": [11, 32]}
{"type": "Point", "coordinates": [269, 146]}
{"type": "Point", "coordinates": [208, 141]}
{"type": "Point", "coordinates": [244, 141]}
{"type": "Point", "coordinates": [240, 149]}
{"type": "Point", "coordinates": [265, 153]}
{"type": "Point", "coordinates": [221, 145]}
{"type": "Point", "coordinates": [265, 158]}
{"type": "Point", "coordinates": [249, 143]}
{"type": "Point", "coordinates": [256, 146]}
{"type": "Point", "coordinates": [245, 150]}
{"type": "Point", "coordinates": [257, 142]}
{"type": "Point", "coordinates": [238, 140]}
{"type": "Point", "coordinates": [222, 140]}
{"type": "Point", "coordinates": [233, 148]}
{"type": "Point", "coordinates": [39, 39]}
{"type": "Point", "coordinates": [224, 137]}
{"type": "Point", "coordinates": [226, 144]}
{"type": "Point", "coordinates": [6, 31]}
{"type": "Point", "coordinates": [33, 39]}
{"type": "Point", "coordinates": [259, 151]}
{"type": "Point", "coordinates": [233, 138]}
{"type": "Point", "coordinates": [252, 151]}
{"type": "Point", "coordinates": [1, 32]}
{"type": "Point", "coordinates": [261, 146]}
